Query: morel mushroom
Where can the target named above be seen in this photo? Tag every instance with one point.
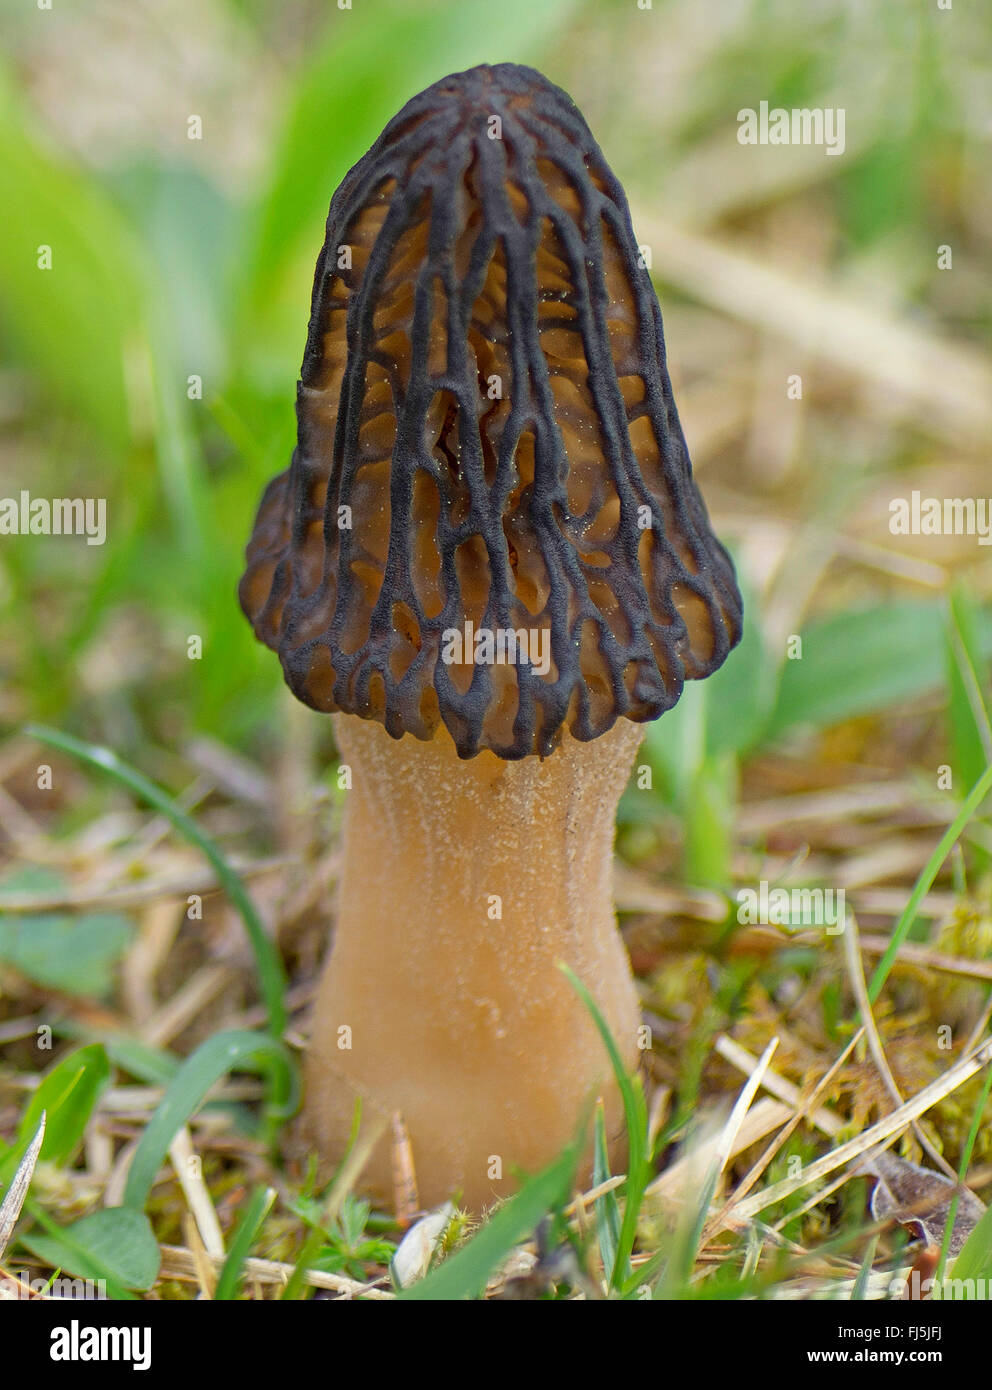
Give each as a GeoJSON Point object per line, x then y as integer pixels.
{"type": "Point", "coordinates": [489, 559]}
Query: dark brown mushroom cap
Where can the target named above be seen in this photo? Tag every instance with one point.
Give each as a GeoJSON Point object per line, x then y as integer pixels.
{"type": "Point", "coordinates": [487, 434]}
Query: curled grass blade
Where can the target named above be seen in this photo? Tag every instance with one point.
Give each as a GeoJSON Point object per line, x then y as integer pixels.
{"type": "Point", "coordinates": [271, 978]}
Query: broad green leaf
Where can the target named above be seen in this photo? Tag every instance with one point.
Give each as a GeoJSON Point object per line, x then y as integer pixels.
{"type": "Point", "coordinates": [67, 1095]}
{"type": "Point", "coordinates": [75, 955]}
{"type": "Point", "coordinates": [115, 1244]}
{"type": "Point", "coordinates": [856, 662]}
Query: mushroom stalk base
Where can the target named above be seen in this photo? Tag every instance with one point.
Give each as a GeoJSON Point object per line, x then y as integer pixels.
{"type": "Point", "coordinates": [463, 884]}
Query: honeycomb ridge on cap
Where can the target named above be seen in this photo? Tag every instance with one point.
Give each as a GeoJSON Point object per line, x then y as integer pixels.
{"type": "Point", "coordinates": [487, 435]}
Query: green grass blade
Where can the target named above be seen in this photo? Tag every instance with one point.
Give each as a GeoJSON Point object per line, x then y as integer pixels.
{"type": "Point", "coordinates": [860, 1291]}
{"type": "Point", "coordinates": [252, 1219]}
{"type": "Point", "coordinates": [974, 1260]}
{"type": "Point", "coordinates": [466, 1273]}
{"type": "Point", "coordinates": [675, 1280]}
{"type": "Point", "coordinates": [970, 728]}
{"type": "Point", "coordinates": [607, 1207]}
{"type": "Point", "coordinates": [975, 1256]}
{"type": "Point", "coordinates": [233, 1050]}
{"type": "Point", "coordinates": [271, 978]}
{"type": "Point", "coordinates": [355, 1156]}
{"type": "Point", "coordinates": [79, 322]}
{"type": "Point", "coordinates": [636, 1115]}
{"type": "Point", "coordinates": [709, 822]}
{"type": "Point", "coordinates": [925, 881]}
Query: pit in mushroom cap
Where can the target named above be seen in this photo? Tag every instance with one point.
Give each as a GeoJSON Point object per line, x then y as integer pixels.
{"type": "Point", "coordinates": [487, 434]}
